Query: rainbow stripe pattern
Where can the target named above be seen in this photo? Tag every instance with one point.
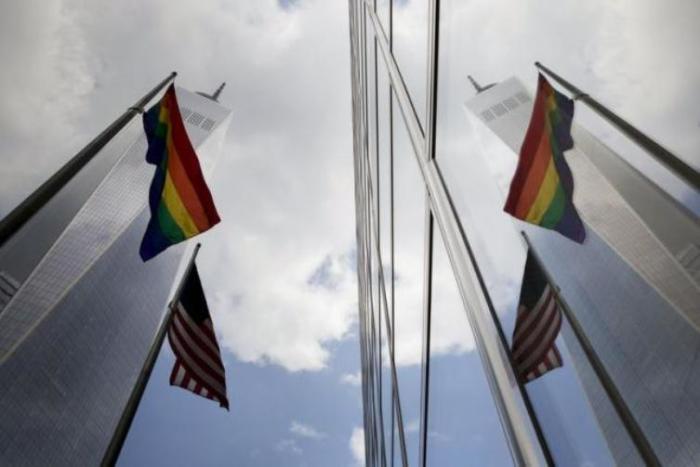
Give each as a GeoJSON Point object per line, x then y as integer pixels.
{"type": "Point", "coordinates": [180, 201]}
{"type": "Point", "coordinates": [542, 188]}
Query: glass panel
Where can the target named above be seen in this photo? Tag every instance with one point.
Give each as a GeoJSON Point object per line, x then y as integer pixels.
{"type": "Point", "coordinates": [409, 212]}
{"type": "Point", "coordinates": [643, 336]}
{"type": "Point", "coordinates": [383, 14]}
{"type": "Point", "coordinates": [384, 164]}
{"type": "Point", "coordinates": [377, 315]}
{"type": "Point", "coordinates": [410, 49]}
{"type": "Point", "coordinates": [462, 420]}
{"type": "Point", "coordinates": [370, 103]}
{"type": "Point", "coordinates": [384, 202]}
{"type": "Point", "coordinates": [372, 167]}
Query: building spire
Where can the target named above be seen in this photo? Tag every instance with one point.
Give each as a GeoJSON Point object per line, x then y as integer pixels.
{"type": "Point", "coordinates": [215, 95]}
{"type": "Point", "coordinates": [478, 88]}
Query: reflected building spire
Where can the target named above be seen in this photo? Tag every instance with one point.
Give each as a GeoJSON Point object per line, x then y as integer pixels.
{"type": "Point", "coordinates": [478, 88]}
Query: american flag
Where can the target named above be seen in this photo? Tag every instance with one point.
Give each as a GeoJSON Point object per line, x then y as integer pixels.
{"type": "Point", "coordinates": [198, 366]}
{"type": "Point", "coordinates": [537, 325]}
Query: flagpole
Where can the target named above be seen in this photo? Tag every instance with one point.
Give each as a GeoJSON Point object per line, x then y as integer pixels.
{"type": "Point", "coordinates": [633, 429]}
{"type": "Point", "coordinates": [122, 429]}
{"type": "Point", "coordinates": [529, 408]}
{"type": "Point", "coordinates": [536, 425]}
{"type": "Point", "coordinates": [687, 173]}
{"type": "Point", "coordinates": [42, 195]}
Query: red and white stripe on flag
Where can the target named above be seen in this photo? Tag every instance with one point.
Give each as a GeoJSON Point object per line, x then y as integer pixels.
{"type": "Point", "coordinates": [198, 366]}
{"type": "Point", "coordinates": [536, 329]}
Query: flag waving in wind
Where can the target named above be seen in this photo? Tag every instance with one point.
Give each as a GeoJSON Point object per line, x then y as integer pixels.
{"type": "Point", "coordinates": [180, 201]}
{"type": "Point", "coordinates": [542, 188]}
{"type": "Point", "coordinates": [198, 366]}
{"type": "Point", "coordinates": [537, 325]}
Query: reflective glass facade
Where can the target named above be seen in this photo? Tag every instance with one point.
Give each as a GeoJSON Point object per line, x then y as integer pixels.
{"type": "Point", "coordinates": [76, 332]}
{"type": "Point", "coordinates": [415, 310]}
{"type": "Point", "coordinates": [440, 264]}
{"type": "Point", "coordinates": [637, 302]}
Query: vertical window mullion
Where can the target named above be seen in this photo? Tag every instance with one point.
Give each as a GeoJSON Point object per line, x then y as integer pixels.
{"type": "Point", "coordinates": [391, 207]}
{"type": "Point", "coordinates": [378, 240]}
{"type": "Point", "coordinates": [431, 104]}
{"type": "Point", "coordinates": [427, 316]}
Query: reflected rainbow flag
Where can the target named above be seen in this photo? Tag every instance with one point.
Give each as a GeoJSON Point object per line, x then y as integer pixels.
{"type": "Point", "coordinates": [542, 188]}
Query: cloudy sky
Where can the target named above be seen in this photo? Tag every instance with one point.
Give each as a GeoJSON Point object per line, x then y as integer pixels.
{"type": "Point", "coordinates": [279, 271]}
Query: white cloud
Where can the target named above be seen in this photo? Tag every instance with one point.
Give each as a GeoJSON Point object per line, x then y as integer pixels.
{"type": "Point", "coordinates": [283, 278]}
{"type": "Point", "coordinates": [44, 87]}
{"type": "Point", "coordinates": [306, 431]}
{"type": "Point", "coordinates": [412, 426]}
{"type": "Point", "coordinates": [275, 315]}
{"type": "Point", "coordinates": [353, 379]}
{"type": "Point", "coordinates": [357, 445]}
{"type": "Point", "coordinates": [289, 445]}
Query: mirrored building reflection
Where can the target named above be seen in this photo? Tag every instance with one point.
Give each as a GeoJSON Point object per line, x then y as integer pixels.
{"type": "Point", "coordinates": [83, 308]}
{"type": "Point", "coordinates": [637, 299]}
{"type": "Point", "coordinates": [440, 264]}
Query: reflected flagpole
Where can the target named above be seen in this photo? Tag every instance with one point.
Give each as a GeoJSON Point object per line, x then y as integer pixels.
{"type": "Point", "coordinates": [684, 171]}
{"type": "Point", "coordinates": [501, 336]}
{"type": "Point", "coordinates": [122, 429]}
{"type": "Point", "coordinates": [633, 429]}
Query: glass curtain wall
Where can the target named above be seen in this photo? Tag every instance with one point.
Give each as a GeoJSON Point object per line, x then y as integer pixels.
{"type": "Point", "coordinates": [427, 385]}
{"type": "Point", "coordinates": [440, 265]}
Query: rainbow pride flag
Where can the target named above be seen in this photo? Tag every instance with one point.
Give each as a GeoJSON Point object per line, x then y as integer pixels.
{"type": "Point", "coordinates": [542, 188]}
{"type": "Point", "coordinates": [180, 201]}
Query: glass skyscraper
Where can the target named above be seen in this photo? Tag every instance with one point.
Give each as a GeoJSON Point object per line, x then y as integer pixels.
{"type": "Point", "coordinates": [440, 264]}
{"type": "Point", "coordinates": [633, 288]}
{"type": "Point", "coordinates": [82, 309]}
